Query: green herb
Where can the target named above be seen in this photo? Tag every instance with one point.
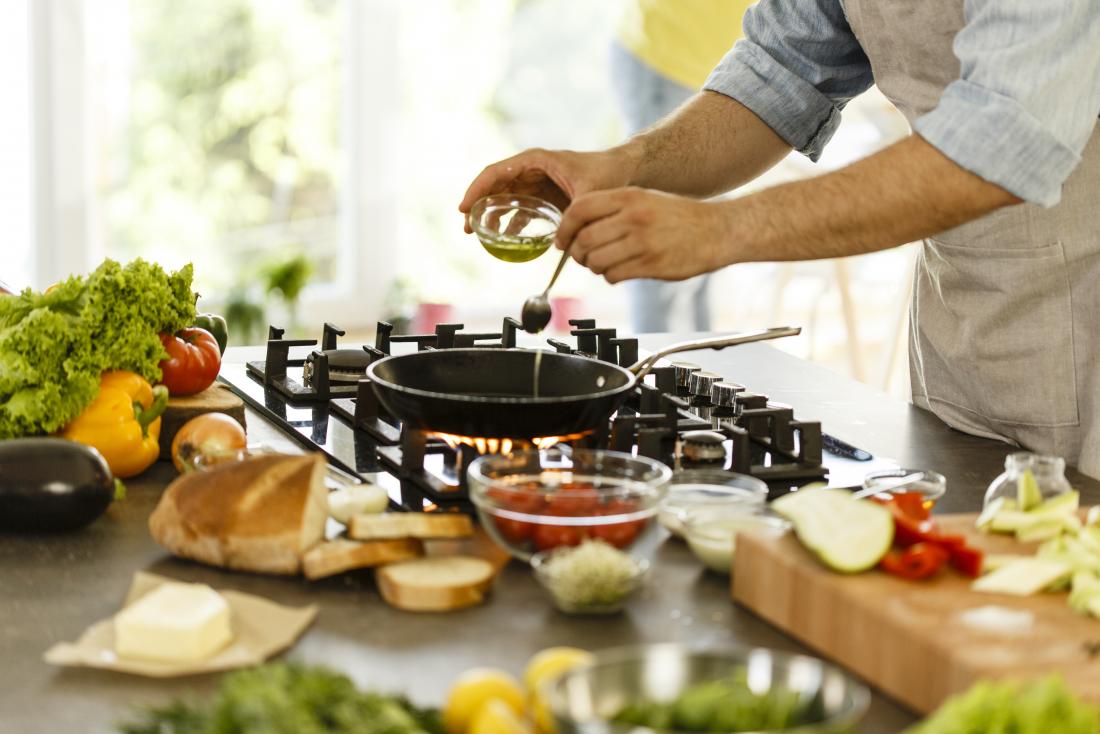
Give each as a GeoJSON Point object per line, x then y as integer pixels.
{"type": "Point", "coordinates": [593, 574]}
{"type": "Point", "coordinates": [54, 346]}
{"type": "Point", "coordinates": [726, 704]}
{"type": "Point", "coordinates": [288, 699]}
{"type": "Point", "coordinates": [1039, 707]}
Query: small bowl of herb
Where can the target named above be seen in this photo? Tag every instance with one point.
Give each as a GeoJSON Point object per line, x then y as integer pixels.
{"type": "Point", "coordinates": [591, 578]}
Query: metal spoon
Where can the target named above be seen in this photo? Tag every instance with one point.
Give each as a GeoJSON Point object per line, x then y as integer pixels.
{"type": "Point", "coordinates": [890, 486]}
{"type": "Point", "coordinates": [536, 310]}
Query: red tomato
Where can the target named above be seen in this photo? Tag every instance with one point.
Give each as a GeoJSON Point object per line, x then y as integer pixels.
{"type": "Point", "coordinates": [557, 536]}
{"type": "Point", "coordinates": [193, 361]}
{"type": "Point", "coordinates": [619, 534]}
{"type": "Point", "coordinates": [529, 502]}
{"type": "Point", "coordinates": [573, 501]}
{"type": "Point", "coordinates": [514, 531]}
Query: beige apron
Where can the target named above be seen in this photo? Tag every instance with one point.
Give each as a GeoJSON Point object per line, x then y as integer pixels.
{"type": "Point", "coordinates": [1005, 309]}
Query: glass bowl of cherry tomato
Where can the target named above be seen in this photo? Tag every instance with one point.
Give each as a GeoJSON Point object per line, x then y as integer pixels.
{"type": "Point", "coordinates": [536, 501]}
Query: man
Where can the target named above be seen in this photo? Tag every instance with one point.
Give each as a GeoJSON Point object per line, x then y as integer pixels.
{"type": "Point", "coordinates": [664, 52]}
{"type": "Point", "coordinates": [1001, 179]}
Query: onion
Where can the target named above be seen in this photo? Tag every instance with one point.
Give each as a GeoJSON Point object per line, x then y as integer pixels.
{"type": "Point", "coordinates": [206, 435]}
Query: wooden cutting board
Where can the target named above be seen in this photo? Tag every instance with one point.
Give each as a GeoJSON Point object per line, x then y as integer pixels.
{"type": "Point", "coordinates": [909, 638]}
{"type": "Point", "coordinates": [217, 398]}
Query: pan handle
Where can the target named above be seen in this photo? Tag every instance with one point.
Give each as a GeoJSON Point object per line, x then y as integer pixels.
{"type": "Point", "coordinates": [643, 366]}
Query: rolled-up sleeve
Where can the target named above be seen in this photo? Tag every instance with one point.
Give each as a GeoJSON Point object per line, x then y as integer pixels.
{"type": "Point", "coordinates": [796, 67]}
{"type": "Point", "coordinates": [1028, 95]}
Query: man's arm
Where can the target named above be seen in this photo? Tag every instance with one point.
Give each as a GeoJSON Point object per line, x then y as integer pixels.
{"type": "Point", "coordinates": [905, 192]}
{"type": "Point", "coordinates": [709, 146]}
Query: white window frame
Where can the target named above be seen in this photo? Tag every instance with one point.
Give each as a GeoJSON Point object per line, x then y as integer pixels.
{"type": "Point", "coordinates": [65, 233]}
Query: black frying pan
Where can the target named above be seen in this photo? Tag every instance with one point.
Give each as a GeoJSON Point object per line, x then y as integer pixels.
{"type": "Point", "coordinates": [488, 393]}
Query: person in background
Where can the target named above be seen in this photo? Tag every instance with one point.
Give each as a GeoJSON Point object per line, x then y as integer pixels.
{"type": "Point", "coordinates": [664, 52]}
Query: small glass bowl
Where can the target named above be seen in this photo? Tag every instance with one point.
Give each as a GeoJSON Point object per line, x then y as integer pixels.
{"type": "Point", "coordinates": [514, 227]}
{"type": "Point", "coordinates": [539, 500]}
{"type": "Point", "coordinates": [695, 489]}
{"type": "Point", "coordinates": [616, 598]}
{"type": "Point", "coordinates": [931, 486]}
{"type": "Point", "coordinates": [711, 533]}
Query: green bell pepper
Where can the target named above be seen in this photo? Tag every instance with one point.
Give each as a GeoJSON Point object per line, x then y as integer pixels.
{"type": "Point", "coordinates": [216, 325]}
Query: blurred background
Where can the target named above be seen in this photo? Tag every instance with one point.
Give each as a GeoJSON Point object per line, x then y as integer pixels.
{"type": "Point", "coordinates": [308, 157]}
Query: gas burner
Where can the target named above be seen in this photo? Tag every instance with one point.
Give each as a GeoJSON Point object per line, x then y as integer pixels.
{"type": "Point", "coordinates": [345, 366]}
{"type": "Point", "coordinates": [681, 415]}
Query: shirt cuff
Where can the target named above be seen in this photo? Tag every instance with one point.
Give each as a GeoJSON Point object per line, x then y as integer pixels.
{"type": "Point", "coordinates": [996, 138]}
{"type": "Point", "coordinates": [792, 107]}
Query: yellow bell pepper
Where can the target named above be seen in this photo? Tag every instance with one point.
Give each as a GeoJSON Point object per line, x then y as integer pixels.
{"type": "Point", "coordinates": [122, 423]}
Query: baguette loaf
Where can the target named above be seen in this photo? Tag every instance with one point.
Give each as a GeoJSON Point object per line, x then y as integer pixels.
{"type": "Point", "coordinates": [422, 525]}
{"type": "Point", "coordinates": [435, 584]}
{"type": "Point", "coordinates": [336, 556]}
{"type": "Point", "coordinates": [261, 514]}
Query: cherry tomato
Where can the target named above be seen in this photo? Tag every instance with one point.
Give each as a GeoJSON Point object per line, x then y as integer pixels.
{"type": "Point", "coordinates": [557, 536]}
{"type": "Point", "coordinates": [521, 499]}
{"type": "Point", "coordinates": [514, 531]}
{"type": "Point", "coordinates": [619, 534]}
{"type": "Point", "coordinates": [573, 501]}
{"type": "Point", "coordinates": [193, 361]}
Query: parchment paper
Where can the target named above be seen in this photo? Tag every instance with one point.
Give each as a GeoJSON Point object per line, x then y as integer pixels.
{"type": "Point", "coordinates": [261, 628]}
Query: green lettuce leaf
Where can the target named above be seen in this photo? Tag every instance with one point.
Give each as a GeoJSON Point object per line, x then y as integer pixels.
{"type": "Point", "coordinates": [54, 346]}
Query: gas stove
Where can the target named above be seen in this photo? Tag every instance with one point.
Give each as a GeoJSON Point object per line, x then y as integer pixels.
{"type": "Point", "coordinates": [681, 414]}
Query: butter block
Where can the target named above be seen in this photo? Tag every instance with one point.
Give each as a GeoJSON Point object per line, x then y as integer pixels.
{"type": "Point", "coordinates": [176, 622]}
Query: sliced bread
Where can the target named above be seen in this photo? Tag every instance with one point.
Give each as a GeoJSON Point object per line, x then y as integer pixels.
{"type": "Point", "coordinates": [422, 525]}
{"type": "Point", "coordinates": [435, 584]}
{"type": "Point", "coordinates": [339, 555]}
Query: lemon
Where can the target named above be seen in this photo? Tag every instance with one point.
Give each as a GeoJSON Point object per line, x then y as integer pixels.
{"type": "Point", "coordinates": [497, 717]}
{"type": "Point", "coordinates": [545, 666]}
{"type": "Point", "coordinates": [474, 689]}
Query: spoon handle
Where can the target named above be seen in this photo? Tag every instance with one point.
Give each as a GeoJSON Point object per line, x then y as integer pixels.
{"type": "Point", "coordinates": [557, 271]}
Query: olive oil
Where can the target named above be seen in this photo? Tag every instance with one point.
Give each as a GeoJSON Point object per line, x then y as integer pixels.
{"type": "Point", "coordinates": [517, 249]}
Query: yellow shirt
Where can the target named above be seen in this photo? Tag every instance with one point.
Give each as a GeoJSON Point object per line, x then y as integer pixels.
{"type": "Point", "coordinates": [682, 39]}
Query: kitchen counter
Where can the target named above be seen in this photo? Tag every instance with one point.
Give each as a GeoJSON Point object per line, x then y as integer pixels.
{"type": "Point", "coordinates": [53, 587]}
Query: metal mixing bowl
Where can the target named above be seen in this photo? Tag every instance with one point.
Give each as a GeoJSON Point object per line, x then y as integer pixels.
{"type": "Point", "coordinates": [583, 700]}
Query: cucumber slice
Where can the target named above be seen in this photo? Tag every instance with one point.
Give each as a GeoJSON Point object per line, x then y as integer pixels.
{"type": "Point", "coordinates": [1061, 504]}
{"type": "Point", "coordinates": [993, 561]}
{"type": "Point", "coordinates": [1039, 531]}
{"type": "Point", "coordinates": [848, 535]}
{"type": "Point", "coordinates": [1023, 578]}
{"type": "Point", "coordinates": [1027, 491]}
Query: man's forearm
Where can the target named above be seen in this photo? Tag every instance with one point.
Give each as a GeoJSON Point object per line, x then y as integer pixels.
{"type": "Point", "coordinates": [709, 146]}
{"type": "Point", "coordinates": [901, 194]}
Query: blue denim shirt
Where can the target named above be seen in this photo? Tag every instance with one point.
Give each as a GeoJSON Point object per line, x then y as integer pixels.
{"type": "Point", "coordinates": [1020, 114]}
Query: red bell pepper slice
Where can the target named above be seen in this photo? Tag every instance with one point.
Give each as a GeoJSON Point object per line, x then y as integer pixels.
{"type": "Point", "coordinates": [966, 560]}
{"type": "Point", "coordinates": [918, 561]}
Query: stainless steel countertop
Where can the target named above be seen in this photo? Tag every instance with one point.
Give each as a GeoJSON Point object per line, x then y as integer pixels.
{"type": "Point", "coordinates": [52, 587]}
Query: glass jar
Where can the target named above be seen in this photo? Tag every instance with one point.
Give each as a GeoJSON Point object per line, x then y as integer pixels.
{"type": "Point", "coordinates": [1049, 473]}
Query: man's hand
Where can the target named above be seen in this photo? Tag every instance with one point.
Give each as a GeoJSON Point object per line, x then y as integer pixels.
{"type": "Point", "coordinates": [552, 175]}
{"type": "Point", "coordinates": [635, 233]}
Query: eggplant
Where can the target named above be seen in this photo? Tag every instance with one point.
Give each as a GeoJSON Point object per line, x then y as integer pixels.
{"type": "Point", "coordinates": [52, 485]}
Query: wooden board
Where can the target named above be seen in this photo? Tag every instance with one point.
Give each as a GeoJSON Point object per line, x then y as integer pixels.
{"type": "Point", "coordinates": [908, 638]}
{"type": "Point", "coordinates": [217, 398]}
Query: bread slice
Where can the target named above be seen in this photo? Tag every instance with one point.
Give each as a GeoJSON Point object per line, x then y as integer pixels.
{"type": "Point", "coordinates": [435, 584]}
{"type": "Point", "coordinates": [423, 525]}
{"type": "Point", "coordinates": [258, 515]}
{"type": "Point", "coordinates": [336, 556]}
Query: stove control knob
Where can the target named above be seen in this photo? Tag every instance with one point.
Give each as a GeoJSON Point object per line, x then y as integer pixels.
{"type": "Point", "coordinates": [683, 372]}
{"type": "Point", "coordinates": [703, 448]}
{"type": "Point", "coordinates": [701, 383]}
{"type": "Point", "coordinates": [724, 394]}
